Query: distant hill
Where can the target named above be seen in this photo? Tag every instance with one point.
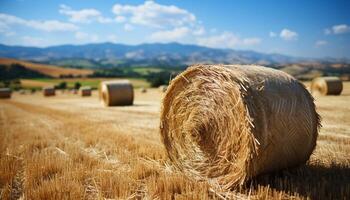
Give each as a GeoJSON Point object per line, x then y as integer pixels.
{"type": "Point", "coordinates": [108, 57]}
{"type": "Point", "coordinates": [46, 70]}
{"type": "Point", "coordinates": [105, 55]}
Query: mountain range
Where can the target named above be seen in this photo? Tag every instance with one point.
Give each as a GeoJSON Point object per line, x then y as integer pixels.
{"type": "Point", "coordinates": [104, 55]}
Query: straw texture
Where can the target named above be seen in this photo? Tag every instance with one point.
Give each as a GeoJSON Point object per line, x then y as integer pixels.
{"type": "Point", "coordinates": [326, 86]}
{"type": "Point", "coordinates": [229, 123]}
{"type": "Point", "coordinates": [117, 93]}
{"type": "Point", "coordinates": [49, 91]}
{"type": "Point", "coordinates": [5, 93]}
{"type": "Point", "coordinates": [85, 91]}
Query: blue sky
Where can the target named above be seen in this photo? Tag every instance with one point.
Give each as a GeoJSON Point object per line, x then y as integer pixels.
{"type": "Point", "coordinates": [300, 28]}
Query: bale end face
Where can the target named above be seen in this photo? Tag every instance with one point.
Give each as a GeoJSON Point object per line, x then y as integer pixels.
{"type": "Point", "coordinates": [231, 123]}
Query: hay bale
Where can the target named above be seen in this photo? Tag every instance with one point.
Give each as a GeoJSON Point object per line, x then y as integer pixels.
{"type": "Point", "coordinates": [85, 91]}
{"type": "Point", "coordinates": [326, 86]}
{"type": "Point", "coordinates": [117, 93]}
{"type": "Point", "coordinates": [143, 90]}
{"type": "Point", "coordinates": [163, 88]}
{"type": "Point", "coordinates": [49, 91]}
{"type": "Point", "coordinates": [22, 92]}
{"type": "Point", "coordinates": [5, 93]}
{"type": "Point", "coordinates": [231, 123]}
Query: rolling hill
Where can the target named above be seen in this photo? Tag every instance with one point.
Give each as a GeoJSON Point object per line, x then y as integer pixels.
{"type": "Point", "coordinates": [155, 54]}
{"type": "Point", "coordinates": [48, 70]}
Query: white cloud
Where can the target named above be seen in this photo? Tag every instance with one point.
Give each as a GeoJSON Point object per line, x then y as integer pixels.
{"type": "Point", "coordinates": [84, 15]}
{"type": "Point", "coordinates": [120, 19]}
{"type": "Point", "coordinates": [321, 43]}
{"type": "Point", "coordinates": [82, 36]}
{"type": "Point", "coordinates": [128, 27]}
{"type": "Point", "coordinates": [337, 29]}
{"type": "Point", "coordinates": [112, 38]}
{"type": "Point", "coordinates": [154, 15]}
{"type": "Point", "coordinates": [33, 41]}
{"type": "Point", "coordinates": [251, 41]}
{"type": "Point", "coordinates": [341, 28]}
{"type": "Point", "coordinates": [170, 35]}
{"type": "Point", "coordinates": [287, 34]}
{"type": "Point", "coordinates": [199, 31]}
{"type": "Point", "coordinates": [44, 25]}
{"type": "Point", "coordinates": [5, 30]}
{"type": "Point", "coordinates": [227, 40]}
{"type": "Point", "coordinates": [272, 34]}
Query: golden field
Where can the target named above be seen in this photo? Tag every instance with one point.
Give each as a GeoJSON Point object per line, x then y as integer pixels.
{"type": "Point", "coordinates": [71, 147]}
{"type": "Point", "coordinates": [49, 70]}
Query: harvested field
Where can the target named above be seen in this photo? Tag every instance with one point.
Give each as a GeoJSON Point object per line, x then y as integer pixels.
{"type": "Point", "coordinates": [68, 147]}
{"type": "Point", "coordinates": [49, 70]}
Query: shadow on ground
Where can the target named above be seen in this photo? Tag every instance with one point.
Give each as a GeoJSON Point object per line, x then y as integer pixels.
{"type": "Point", "coordinates": [313, 181]}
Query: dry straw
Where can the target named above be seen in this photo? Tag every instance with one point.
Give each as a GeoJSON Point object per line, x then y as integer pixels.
{"type": "Point", "coordinates": [49, 91]}
{"type": "Point", "coordinates": [229, 123]}
{"type": "Point", "coordinates": [326, 86]}
{"type": "Point", "coordinates": [5, 93]}
{"type": "Point", "coordinates": [85, 91]}
{"type": "Point", "coordinates": [116, 93]}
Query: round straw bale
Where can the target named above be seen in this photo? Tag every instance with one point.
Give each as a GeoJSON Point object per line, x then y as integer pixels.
{"type": "Point", "coordinates": [85, 91]}
{"type": "Point", "coordinates": [326, 86]}
{"type": "Point", "coordinates": [230, 123]}
{"type": "Point", "coordinates": [49, 91]}
{"type": "Point", "coordinates": [5, 93]}
{"type": "Point", "coordinates": [22, 92]}
{"type": "Point", "coordinates": [143, 90]}
{"type": "Point", "coordinates": [117, 93]}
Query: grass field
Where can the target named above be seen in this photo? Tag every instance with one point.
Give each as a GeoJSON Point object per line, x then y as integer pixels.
{"type": "Point", "coordinates": [93, 82]}
{"type": "Point", "coordinates": [69, 147]}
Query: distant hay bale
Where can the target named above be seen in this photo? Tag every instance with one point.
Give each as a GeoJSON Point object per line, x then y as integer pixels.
{"type": "Point", "coordinates": [326, 86]}
{"type": "Point", "coordinates": [85, 91]}
{"type": "Point", "coordinates": [5, 93]}
{"type": "Point", "coordinates": [229, 123]}
{"type": "Point", "coordinates": [163, 88]}
{"type": "Point", "coordinates": [143, 90]}
{"type": "Point", "coordinates": [49, 91]}
{"type": "Point", "coordinates": [117, 93]}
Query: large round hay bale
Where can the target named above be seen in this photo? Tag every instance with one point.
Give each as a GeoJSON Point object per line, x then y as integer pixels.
{"type": "Point", "coordinates": [5, 93]}
{"type": "Point", "coordinates": [326, 86]}
{"type": "Point", "coordinates": [85, 91]}
{"type": "Point", "coordinates": [230, 123]}
{"type": "Point", "coordinates": [117, 93]}
{"type": "Point", "coordinates": [49, 91]}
